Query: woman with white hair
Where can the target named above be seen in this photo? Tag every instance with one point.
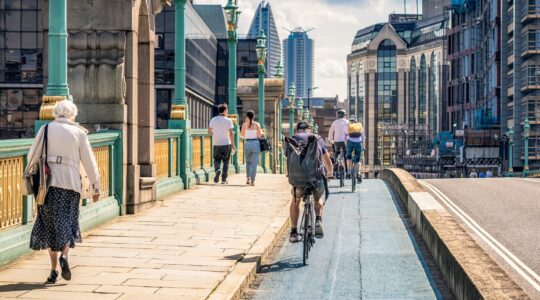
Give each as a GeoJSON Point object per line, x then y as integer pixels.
{"type": "Point", "coordinates": [57, 223]}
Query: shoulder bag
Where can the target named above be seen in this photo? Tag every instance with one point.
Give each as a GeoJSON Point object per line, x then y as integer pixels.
{"type": "Point", "coordinates": [265, 145]}
{"type": "Point", "coordinates": [37, 182]}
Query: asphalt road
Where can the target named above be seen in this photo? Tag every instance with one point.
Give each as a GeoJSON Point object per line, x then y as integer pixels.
{"type": "Point", "coordinates": [367, 253]}
{"type": "Point", "coordinates": [508, 210]}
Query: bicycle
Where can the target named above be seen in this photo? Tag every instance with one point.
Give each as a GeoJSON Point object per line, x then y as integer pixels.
{"type": "Point", "coordinates": [355, 171]}
{"type": "Point", "coordinates": [340, 163]}
{"type": "Point", "coordinates": [307, 229]}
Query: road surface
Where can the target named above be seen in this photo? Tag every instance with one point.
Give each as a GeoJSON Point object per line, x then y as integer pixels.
{"type": "Point", "coordinates": [368, 252]}
{"type": "Point", "coordinates": [503, 215]}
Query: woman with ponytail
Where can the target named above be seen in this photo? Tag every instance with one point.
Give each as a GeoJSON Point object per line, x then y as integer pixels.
{"type": "Point", "coordinates": [251, 132]}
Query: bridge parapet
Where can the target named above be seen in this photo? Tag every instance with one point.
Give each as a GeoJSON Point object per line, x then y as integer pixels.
{"type": "Point", "coordinates": [467, 269]}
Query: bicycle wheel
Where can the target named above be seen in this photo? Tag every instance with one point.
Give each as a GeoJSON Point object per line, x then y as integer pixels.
{"type": "Point", "coordinates": [307, 233]}
{"type": "Point", "coordinates": [341, 177]}
{"type": "Point", "coordinates": [353, 178]}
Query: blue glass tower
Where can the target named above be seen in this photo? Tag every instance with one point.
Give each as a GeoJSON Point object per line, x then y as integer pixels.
{"type": "Point", "coordinates": [264, 20]}
{"type": "Point", "coordinates": [298, 50]}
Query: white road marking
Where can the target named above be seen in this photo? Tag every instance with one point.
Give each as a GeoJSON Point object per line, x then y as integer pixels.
{"type": "Point", "coordinates": [523, 270]}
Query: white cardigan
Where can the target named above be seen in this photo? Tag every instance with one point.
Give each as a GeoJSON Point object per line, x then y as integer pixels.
{"type": "Point", "coordinates": [69, 145]}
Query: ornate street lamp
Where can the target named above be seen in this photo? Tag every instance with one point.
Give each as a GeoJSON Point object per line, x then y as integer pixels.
{"type": "Point", "coordinates": [292, 94]}
{"type": "Point", "coordinates": [526, 133]}
{"type": "Point", "coordinates": [279, 74]}
{"type": "Point", "coordinates": [316, 128]}
{"type": "Point", "coordinates": [232, 13]}
{"type": "Point", "coordinates": [300, 109]}
{"type": "Point", "coordinates": [510, 134]}
{"type": "Point", "coordinates": [306, 115]}
{"type": "Point", "coordinates": [261, 60]}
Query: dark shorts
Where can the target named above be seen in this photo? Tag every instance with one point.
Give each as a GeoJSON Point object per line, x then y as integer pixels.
{"type": "Point", "coordinates": [318, 192]}
{"type": "Point", "coordinates": [354, 147]}
{"type": "Point", "coordinates": [338, 147]}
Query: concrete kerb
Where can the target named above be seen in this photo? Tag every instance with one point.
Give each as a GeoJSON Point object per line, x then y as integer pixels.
{"type": "Point", "coordinates": [467, 269]}
{"type": "Point", "coordinates": [243, 273]}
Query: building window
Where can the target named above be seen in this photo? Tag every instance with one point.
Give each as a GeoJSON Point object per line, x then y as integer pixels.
{"type": "Point", "coordinates": [21, 64]}
{"type": "Point", "coordinates": [433, 93]}
{"type": "Point", "coordinates": [412, 92]}
{"type": "Point", "coordinates": [386, 101]}
{"type": "Point", "coordinates": [422, 103]}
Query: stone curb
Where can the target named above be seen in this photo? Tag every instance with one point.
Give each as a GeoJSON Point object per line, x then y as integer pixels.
{"type": "Point", "coordinates": [467, 269]}
{"type": "Point", "coordinates": [245, 269]}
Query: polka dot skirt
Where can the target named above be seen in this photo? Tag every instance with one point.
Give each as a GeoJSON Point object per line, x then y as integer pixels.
{"type": "Point", "coordinates": [57, 222]}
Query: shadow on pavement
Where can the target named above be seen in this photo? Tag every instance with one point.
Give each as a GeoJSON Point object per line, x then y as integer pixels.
{"type": "Point", "coordinates": [280, 266]}
{"type": "Point", "coordinates": [24, 287]}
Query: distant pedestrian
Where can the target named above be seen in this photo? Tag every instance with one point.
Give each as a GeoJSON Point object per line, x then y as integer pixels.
{"type": "Point", "coordinates": [482, 175]}
{"type": "Point", "coordinates": [221, 129]}
{"type": "Point", "coordinates": [57, 223]}
{"type": "Point", "coordinates": [251, 131]}
{"type": "Point", "coordinates": [489, 174]}
{"type": "Point", "coordinates": [473, 174]}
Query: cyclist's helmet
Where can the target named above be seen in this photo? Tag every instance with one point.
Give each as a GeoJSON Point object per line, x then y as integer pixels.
{"type": "Point", "coordinates": [341, 113]}
{"type": "Point", "coordinates": [352, 119]}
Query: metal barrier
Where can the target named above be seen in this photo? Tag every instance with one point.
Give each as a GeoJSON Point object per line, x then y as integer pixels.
{"type": "Point", "coordinates": [166, 148]}
{"type": "Point", "coordinates": [16, 209]}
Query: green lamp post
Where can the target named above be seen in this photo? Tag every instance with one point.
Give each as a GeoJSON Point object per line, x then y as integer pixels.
{"type": "Point", "coordinates": [261, 56]}
{"type": "Point", "coordinates": [179, 118]}
{"type": "Point", "coordinates": [292, 94]}
{"type": "Point", "coordinates": [306, 115]}
{"type": "Point", "coordinates": [232, 14]}
{"type": "Point", "coordinates": [279, 74]}
{"type": "Point", "coordinates": [300, 109]}
{"type": "Point", "coordinates": [526, 134]}
{"type": "Point", "coordinates": [510, 134]}
{"type": "Point", "coordinates": [57, 85]}
{"type": "Point", "coordinates": [315, 128]}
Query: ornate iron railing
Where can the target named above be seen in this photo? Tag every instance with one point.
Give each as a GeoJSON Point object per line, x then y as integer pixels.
{"type": "Point", "coordinates": [202, 149]}
{"type": "Point", "coordinates": [166, 152]}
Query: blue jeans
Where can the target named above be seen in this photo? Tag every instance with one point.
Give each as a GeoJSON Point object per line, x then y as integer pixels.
{"type": "Point", "coordinates": [252, 151]}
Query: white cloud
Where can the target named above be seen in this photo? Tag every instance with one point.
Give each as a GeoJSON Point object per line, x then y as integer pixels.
{"type": "Point", "coordinates": [335, 27]}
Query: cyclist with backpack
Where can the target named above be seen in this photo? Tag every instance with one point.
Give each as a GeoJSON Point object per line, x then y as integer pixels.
{"type": "Point", "coordinates": [308, 166]}
{"type": "Point", "coordinates": [337, 135]}
{"type": "Point", "coordinates": [354, 144]}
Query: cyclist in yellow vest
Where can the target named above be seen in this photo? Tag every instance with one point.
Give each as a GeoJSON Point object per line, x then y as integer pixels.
{"type": "Point", "coordinates": [355, 140]}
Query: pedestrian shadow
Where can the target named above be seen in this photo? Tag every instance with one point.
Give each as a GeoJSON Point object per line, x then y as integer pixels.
{"type": "Point", "coordinates": [13, 287]}
{"type": "Point", "coordinates": [280, 266]}
{"type": "Point", "coordinates": [223, 185]}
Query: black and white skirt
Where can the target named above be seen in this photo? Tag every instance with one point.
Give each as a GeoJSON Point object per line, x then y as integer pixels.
{"type": "Point", "coordinates": [57, 222]}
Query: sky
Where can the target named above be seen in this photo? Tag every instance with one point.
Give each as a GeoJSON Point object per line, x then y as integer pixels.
{"type": "Point", "coordinates": [335, 24]}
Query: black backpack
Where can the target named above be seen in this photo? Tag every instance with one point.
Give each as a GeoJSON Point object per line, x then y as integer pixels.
{"type": "Point", "coordinates": [303, 161]}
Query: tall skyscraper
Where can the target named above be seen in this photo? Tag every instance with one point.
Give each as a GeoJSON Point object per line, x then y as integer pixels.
{"type": "Point", "coordinates": [264, 19]}
{"type": "Point", "coordinates": [298, 51]}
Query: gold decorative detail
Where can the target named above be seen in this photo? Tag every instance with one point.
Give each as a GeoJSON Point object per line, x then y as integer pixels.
{"type": "Point", "coordinates": [234, 119]}
{"type": "Point", "coordinates": [178, 112]}
{"type": "Point", "coordinates": [11, 172]}
{"type": "Point", "coordinates": [196, 152]}
{"type": "Point", "coordinates": [241, 152]}
{"type": "Point", "coordinates": [174, 157]}
{"type": "Point", "coordinates": [47, 107]}
{"type": "Point", "coordinates": [161, 157]}
{"type": "Point", "coordinates": [102, 155]}
{"type": "Point", "coordinates": [207, 152]}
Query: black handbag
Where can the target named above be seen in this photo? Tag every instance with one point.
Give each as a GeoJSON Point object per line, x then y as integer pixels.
{"type": "Point", "coordinates": [38, 181]}
{"type": "Point", "coordinates": [265, 145]}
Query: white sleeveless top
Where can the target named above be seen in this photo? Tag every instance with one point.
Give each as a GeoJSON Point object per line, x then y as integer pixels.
{"type": "Point", "coordinates": [251, 134]}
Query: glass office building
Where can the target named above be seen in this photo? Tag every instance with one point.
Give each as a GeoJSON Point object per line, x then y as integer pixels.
{"type": "Point", "coordinates": [396, 86]}
{"type": "Point", "coordinates": [21, 67]}
{"type": "Point", "coordinates": [298, 50]}
{"type": "Point", "coordinates": [201, 57]}
{"type": "Point", "coordinates": [264, 20]}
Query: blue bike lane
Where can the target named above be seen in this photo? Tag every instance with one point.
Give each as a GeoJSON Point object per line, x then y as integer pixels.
{"type": "Point", "coordinates": [368, 252]}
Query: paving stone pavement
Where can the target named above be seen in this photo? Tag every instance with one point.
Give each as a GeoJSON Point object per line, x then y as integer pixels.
{"type": "Point", "coordinates": [182, 249]}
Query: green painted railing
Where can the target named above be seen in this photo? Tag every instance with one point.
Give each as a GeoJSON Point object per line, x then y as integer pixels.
{"type": "Point", "coordinates": [166, 157]}
{"type": "Point", "coordinates": [202, 155]}
{"type": "Point", "coordinates": [17, 212]}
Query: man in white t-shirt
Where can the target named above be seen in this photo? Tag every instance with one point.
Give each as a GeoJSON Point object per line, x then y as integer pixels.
{"type": "Point", "coordinates": [221, 129]}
